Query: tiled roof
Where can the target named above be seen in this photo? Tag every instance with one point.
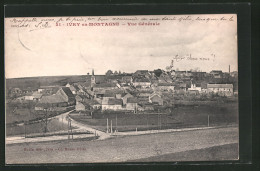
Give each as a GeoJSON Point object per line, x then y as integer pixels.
{"type": "Point", "coordinates": [37, 95]}
{"type": "Point", "coordinates": [142, 80]}
{"type": "Point", "coordinates": [113, 101]}
{"type": "Point", "coordinates": [132, 100]}
{"type": "Point", "coordinates": [99, 91]}
{"type": "Point", "coordinates": [67, 91]}
{"type": "Point", "coordinates": [52, 99]}
{"type": "Point", "coordinates": [109, 94]}
{"type": "Point", "coordinates": [105, 85]}
{"type": "Point", "coordinates": [115, 91]}
{"type": "Point", "coordinates": [91, 102]}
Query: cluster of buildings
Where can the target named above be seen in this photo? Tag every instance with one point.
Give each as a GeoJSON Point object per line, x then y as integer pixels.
{"type": "Point", "coordinates": [140, 91]}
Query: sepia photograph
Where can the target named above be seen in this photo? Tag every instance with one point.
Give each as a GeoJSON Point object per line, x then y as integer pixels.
{"type": "Point", "coordinates": [121, 89]}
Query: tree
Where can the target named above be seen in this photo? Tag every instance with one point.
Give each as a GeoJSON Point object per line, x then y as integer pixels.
{"type": "Point", "coordinates": [45, 118]}
{"type": "Point", "coordinates": [115, 73]}
{"type": "Point", "coordinates": [109, 72]}
{"type": "Point", "coordinates": [158, 72]}
{"type": "Point", "coordinates": [119, 73]}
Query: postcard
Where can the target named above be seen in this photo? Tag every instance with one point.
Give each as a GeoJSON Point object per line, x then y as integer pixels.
{"type": "Point", "coordinates": [121, 89]}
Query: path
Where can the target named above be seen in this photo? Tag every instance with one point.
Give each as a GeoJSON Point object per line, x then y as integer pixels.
{"type": "Point", "coordinates": [82, 127]}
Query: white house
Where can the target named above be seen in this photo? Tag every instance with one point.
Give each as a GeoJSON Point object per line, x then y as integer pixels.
{"type": "Point", "coordinates": [221, 89]}
{"type": "Point", "coordinates": [193, 87]}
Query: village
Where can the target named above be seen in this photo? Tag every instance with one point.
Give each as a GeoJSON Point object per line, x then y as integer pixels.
{"type": "Point", "coordinates": [130, 96]}
{"type": "Point", "coordinates": [137, 92]}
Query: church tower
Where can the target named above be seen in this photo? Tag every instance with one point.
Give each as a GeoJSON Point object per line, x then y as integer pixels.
{"type": "Point", "coordinates": [93, 79]}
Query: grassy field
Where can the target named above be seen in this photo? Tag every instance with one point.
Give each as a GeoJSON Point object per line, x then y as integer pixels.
{"type": "Point", "coordinates": [19, 115]}
{"type": "Point", "coordinates": [128, 148]}
{"type": "Point", "coordinates": [184, 116]}
{"type": "Point", "coordinates": [53, 125]}
{"type": "Point", "coordinates": [223, 152]}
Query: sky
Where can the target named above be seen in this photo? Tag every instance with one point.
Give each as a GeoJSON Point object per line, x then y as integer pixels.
{"type": "Point", "coordinates": [76, 50]}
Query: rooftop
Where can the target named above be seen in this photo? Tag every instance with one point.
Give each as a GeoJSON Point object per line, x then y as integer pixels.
{"type": "Point", "coordinates": [52, 99]}
{"type": "Point", "coordinates": [113, 101]}
{"type": "Point", "coordinates": [132, 100]}
{"type": "Point", "coordinates": [220, 85]}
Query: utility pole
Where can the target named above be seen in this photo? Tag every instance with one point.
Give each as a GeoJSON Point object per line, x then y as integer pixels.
{"type": "Point", "coordinates": [111, 127]}
{"type": "Point", "coordinates": [71, 130]}
{"type": "Point", "coordinates": [107, 125]}
{"type": "Point", "coordinates": [208, 120]}
{"type": "Point", "coordinates": [147, 122]}
{"type": "Point", "coordinates": [158, 122]}
{"type": "Point", "coordinates": [24, 130]}
{"type": "Point", "coordinates": [116, 122]}
{"type": "Point", "coordinates": [68, 128]}
{"type": "Point", "coordinates": [62, 121]}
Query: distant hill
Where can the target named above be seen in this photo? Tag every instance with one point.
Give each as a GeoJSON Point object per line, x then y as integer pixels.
{"type": "Point", "coordinates": [35, 82]}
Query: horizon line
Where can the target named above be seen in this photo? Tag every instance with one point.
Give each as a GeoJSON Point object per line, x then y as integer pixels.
{"type": "Point", "coordinates": [90, 74]}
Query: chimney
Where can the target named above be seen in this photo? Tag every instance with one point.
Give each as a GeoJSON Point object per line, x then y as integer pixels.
{"type": "Point", "coordinates": [229, 69]}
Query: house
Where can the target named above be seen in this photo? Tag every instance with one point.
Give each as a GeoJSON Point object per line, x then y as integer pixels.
{"type": "Point", "coordinates": [144, 94]}
{"type": "Point", "coordinates": [131, 104]}
{"type": "Point", "coordinates": [94, 104]}
{"type": "Point", "coordinates": [194, 88]}
{"type": "Point", "coordinates": [19, 99]}
{"type": "Point", "coordinates": [112, 104]}
{"type": "Point", "coordinates": [216, 73]}
{"type": "Point", "coordinates": [143, 100]}
{"type": "Point", "coordinates": [114, 78]}
{"type": "Point", "coordinates": [156, 98]}
{"type": "Point", "coordinates": [74, 89]}
{"type": "Point", "coordinates": [117, 93]}
{"type": "Point", "coordinates": [28, 90]}
{"type": "Point", "coordinates": [220, 89]}
{"type": "Point", "coordinates": [51, 101]}
{"type": "Point", "coordinates": [140, 108]}
{"type": "Point", "coordinates": [108, 95]}
{"type": "Point", "coordinates": [183, 87]}
{"type": "Point", "coordinates": [164, 78]}
{"type": "Point", "coordinates": [36, 96]}
{"type": "Point", "coordinates": [81, 106]}
{"type": "Point", "coordinates": [99, 93]}
{"type": "Point", "coordinates": [67, 95]}
{"type": "Point", "coordinates": [79, 98]}
{"type": "Point", "coordinates": [28, 96]}
{"type": "Point", "coordinates": [141, 82]}
{"type": "Point", "coordinates": [165, 86]}
{"type": "Point", "coordinates": [15, 92]}
{"type": "Point", "coordinates": [68, 85]}
{"type": "Point", "coordinates": [146, 107]}
{"type": "Point", "coordinates": [141, 73]}
{"type": "Point", "coordinates": [104, 86]}
{"type": "Point", "coordinates": [125, 97]}
{"type": "Point", "coordinates": [126, 79]}
{"type": "Point", "coordinates": [193, 92]}
{"type": "Point", "coordinates": [48, 90]}
{"type": "Point", "coordinates": [89, 94]}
